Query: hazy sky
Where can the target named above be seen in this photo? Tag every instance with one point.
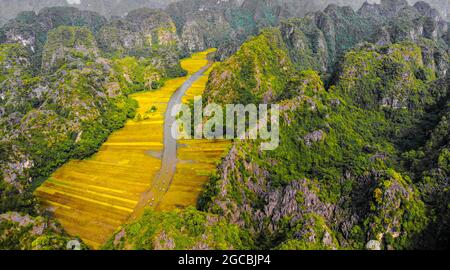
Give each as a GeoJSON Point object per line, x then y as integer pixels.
{"type": "Point", "coordinates": [10, 8]}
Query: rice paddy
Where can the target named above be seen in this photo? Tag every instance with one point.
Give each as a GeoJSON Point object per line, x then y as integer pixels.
{"type": "Point", "coordinates": [91, 198]}
{"type": "Point", "coordinates": [197, 160]}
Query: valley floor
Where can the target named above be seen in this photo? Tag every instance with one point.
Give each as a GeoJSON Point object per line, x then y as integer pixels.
{"type": "Point", "coordinates": [91, 198]}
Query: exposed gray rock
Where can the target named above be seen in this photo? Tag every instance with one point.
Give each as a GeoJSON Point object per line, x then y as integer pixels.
{"type": "Point", "coordinates": [314, 137]}
{"type": "Point", "coordinates": [164, 242]}
{"type": "Point", "coordinates": [373, 245]}
{"type": "Point", "coordinates": [38, 225]}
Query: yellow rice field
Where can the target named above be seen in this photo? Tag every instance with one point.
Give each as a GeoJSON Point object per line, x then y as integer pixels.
{"type": "Point", "coordinates": [197, 160]}
{"type": "Point", "coordinates": [91, 198]}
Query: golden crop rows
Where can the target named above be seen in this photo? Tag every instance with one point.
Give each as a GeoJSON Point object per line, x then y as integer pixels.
{"type": "Point", "coordinates": [92, 197]}
{"type": "Point", "coordinates": [197, 160]}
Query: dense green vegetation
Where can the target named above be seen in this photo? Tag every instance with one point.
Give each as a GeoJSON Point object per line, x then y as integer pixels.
{"type": "Point", "coordinates": [338, 178]}
{"type": "Point", "coordinates": [63, 109]}
{"type": "Point", "coordinates": [32, 29]}
{"type": "Point", "coordinates": [364, 149]}
{"type": "Point", "coordinates": [257, 72]}
{"type": "Point", "coordinates": [23, 232]}
{"type": "Point", "coordinates": [70, 46]}
{"type": "Point", "coordinates": [187, 229]}
{"type": "Point", "coordinates": [363, 155]}
{"type": "Point", "coordinates": [336, 145]}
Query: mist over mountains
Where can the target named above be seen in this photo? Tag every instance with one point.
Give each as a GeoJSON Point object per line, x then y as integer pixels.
{"type": "Point", "coordinates": [10, 8]}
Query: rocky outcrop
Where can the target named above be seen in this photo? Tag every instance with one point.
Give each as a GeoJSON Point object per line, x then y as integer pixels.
{"type": "Point", "coordinates": [314, 137]}
{"type": "Point", "coordinates": [205, 24]}
{"type": "Point", "coordinates": [316, 40]}
{"type": "Point", "coordinates": [226, 24]}
{"type": "Point", "coordinates": [320, 38]}
{"type": "Point", "coordinates": [405, 22]}
{"type": "Point", "coordinates": [246, 195]}
{"type": "Point", "coordinates": [307, 45]}
{"type": "Point", "coordinates": [313, 192]}
{"type": "Point", "coordinates": [202, 24]}
{"type": "Point", "coordinates": [10, 8]}
{"type": "Point", "coordinates": [30, 29]}
{"type": "Point", "coordinates": [394, 76]}
{"type": "Point", "coordinates": [140, 30]}
{"type": "Point", "coordinates": [15, 61]}
{"type": "Point", "coordinates": [111, 8]}
{"type": "Point", "coordinates": [144, 33]}
{"type": "Point", "coordinates": [161, 231]}
{"type": "Point", "coordinates": [108, 8]}
{"type": "Point", "coordinates": [55, 108]}
{"type": "Point", "coordinates": [298, 214]}
{"type": "Point", "coordinates": [56, 85]}
{"type": "Point", "coordinates": [68, 45]}
{"type": "Point", "coordinates": [257, 72]}
{"type": "Point", "coordinates": [24, 232]}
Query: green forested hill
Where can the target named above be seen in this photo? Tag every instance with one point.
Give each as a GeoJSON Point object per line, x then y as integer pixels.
{"type": "Point", "coordinates": [351, 165]}
{"type": "Point", "coordinates": [364, 154]}
{"type": "Point", "coordinates": [61, 96]}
